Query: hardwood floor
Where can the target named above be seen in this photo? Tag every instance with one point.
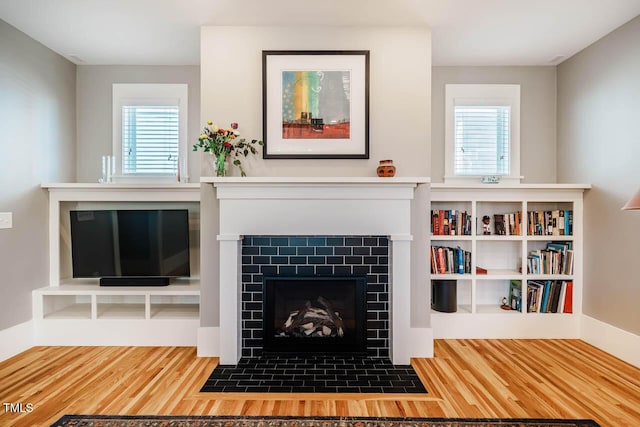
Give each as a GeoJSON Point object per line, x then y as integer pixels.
{"type": "Point", "coordinates": [467, 378]}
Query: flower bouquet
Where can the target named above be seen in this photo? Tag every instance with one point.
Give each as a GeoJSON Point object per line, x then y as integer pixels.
{"type": "Point", "coordinates": [225, 144]}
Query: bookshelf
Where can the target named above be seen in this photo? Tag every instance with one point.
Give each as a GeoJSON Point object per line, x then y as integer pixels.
{"type": "Point", "coordinates": [505, 259]}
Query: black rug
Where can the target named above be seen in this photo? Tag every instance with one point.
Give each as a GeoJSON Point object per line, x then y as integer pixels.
{"type": "Point", "coordinates": [226, 421]}
{"type": "Point", "coordinates": [314, 374]}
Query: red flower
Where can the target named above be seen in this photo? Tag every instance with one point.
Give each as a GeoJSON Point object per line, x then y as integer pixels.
{"type": "Point", "coordinates": [227, 145]}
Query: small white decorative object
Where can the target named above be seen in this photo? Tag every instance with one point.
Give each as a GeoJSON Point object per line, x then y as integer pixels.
{"type": "Point", "coordinates": [490, 179]}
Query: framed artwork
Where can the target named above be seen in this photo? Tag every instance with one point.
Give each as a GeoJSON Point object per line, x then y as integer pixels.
{"type": "Point", "coordinates": [315, 104]}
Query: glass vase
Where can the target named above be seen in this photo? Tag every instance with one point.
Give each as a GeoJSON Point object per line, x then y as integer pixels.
{"type": "Point", "coordinates": [220, 165]}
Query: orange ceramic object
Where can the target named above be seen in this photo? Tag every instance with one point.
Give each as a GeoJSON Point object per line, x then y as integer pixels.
{"type": "Point", "coordinates": [386, 168]}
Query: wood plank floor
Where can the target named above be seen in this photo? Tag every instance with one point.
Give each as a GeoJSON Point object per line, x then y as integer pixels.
{"type": "Point", "coordinates": [467, 378]}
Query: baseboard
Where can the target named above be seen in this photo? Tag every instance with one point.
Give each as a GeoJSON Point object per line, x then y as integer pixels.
{"type": "Point", "coordinates": [208, 341]}
{"type": "Point", "coordinates": [615, 341]}
{"type": "Point", "coordinates": [116, 332]}
{"type": "Point", "coordinates": [422, 342]}
{"type": "Point", "coordinates": [16, 339]}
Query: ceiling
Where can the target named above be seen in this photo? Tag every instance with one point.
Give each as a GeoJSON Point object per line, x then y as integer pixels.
{"type": "Point", "coordinates": [464, 32]}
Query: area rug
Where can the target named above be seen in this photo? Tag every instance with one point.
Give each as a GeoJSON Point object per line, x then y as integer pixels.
{"type": "Point", "coordinates": [226, 421]}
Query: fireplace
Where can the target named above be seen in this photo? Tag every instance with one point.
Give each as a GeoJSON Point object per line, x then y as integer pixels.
{"type": "Point", "coordinates": [314, 314]}
{"type": "Point", "coordinates": [392, 210]}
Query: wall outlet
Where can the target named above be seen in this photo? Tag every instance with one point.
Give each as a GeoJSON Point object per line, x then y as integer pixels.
{"type": "Point", "coordinates": [6, 220]}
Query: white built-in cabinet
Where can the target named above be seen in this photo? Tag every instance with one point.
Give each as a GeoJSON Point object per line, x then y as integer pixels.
{"type": "Point", "coordinates": [479, 296]}
{"type": "Point", "coordinates": [80, 312]}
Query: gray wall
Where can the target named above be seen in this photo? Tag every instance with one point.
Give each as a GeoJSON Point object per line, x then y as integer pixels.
{"type": "Point", "coordinates": [599, 143]}
{"type": "Point", "coordinates": [537, 115]}
{"type": "Point", "coordinates": [37, 144]}
{"type": "Point", "coordinates": [94, 110]}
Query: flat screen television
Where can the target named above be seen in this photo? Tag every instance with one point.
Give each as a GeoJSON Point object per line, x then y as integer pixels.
{"type": "Point", "coordinates": [130, 247]}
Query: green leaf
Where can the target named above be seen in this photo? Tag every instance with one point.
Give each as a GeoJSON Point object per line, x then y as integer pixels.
{"type": "Point", "coordinates": [236, 162]}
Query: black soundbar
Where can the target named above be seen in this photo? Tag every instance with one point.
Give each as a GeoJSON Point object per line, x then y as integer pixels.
{"type": "Point", "coordinates": [134, 281]}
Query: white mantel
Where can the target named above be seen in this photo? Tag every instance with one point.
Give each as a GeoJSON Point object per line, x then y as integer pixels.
{"type": "Point", "coordinates": [393, 207]}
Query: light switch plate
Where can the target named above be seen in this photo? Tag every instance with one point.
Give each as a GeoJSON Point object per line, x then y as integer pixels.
{"type": "Point", "coordinates": [6, 220]}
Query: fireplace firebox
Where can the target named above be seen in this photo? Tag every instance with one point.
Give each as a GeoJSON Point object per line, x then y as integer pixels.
{"type": "Point", "coordinates": [314, 314]}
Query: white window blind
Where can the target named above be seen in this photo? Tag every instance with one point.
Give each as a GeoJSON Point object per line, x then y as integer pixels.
{"type": "Point", "coordinates": [482, 140]}
{"type": "Point", "coordinates": [150, 139]}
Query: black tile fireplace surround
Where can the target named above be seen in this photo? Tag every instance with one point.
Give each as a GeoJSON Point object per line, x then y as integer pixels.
{"type": "Point", "coordinates": [302, 257]}
{"type": "Point", "coordinates": [366, 256]}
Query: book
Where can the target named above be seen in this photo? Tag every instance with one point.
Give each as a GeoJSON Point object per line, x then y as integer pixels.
{"type": "Point", "coordinates": [442, 266]}
{"type": "Point", "coordinates": [534, 290]}
{"type": "Point", "coordinates": [435, 223]}
{"type": "Point", "coordinates": [498, 224]}
{"type": "Point", "coordinates": [460, 259]}
{"type": "Point", "coordinates": [545, 297]}
{"type": "Point", "coordinates": [480, 270]}
{"type": "Point", "coordinates": [568, 298]}
{"type": "Point", "coordinates": [555, 296]}
{"type": "Point", "coordinates": [515, 295]}
{"type": "Point", "coordinates": [563, 291]}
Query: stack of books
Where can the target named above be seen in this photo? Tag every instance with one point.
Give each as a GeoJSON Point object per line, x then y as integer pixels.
{"type": "Point", "coordinates": [445, 260]}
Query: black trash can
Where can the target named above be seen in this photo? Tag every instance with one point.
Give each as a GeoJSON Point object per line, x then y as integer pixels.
{"type": "Point", "coordinates": [444, 295]}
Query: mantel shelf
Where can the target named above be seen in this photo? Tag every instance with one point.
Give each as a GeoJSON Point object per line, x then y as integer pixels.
{"type": "Point", "coordinates": [314, 180]}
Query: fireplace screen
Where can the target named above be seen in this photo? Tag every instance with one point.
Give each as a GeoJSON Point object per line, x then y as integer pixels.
{"type": "Point", "coordinates": [314, 314]}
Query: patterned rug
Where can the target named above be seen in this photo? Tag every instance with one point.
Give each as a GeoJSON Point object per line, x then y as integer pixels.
{"type": "Point", "coordinates": [225, 421]}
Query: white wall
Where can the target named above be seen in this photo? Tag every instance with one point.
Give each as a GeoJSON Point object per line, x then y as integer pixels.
{"type": "Point", "coordinates": [537, 115]}
{"type": "Point", "coordinates": [400, 93]}
{"type": "Point", "coordinates": [599, 143]}
{"type": "Point", "coordinates": [94, 110]}
{"type": "Point", "coordinates": [400, 106]}
{"type": "Point", "coordinates": [37, 144]}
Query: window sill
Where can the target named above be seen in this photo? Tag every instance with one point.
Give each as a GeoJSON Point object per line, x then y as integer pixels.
{"type": "Point", "coordinates": [504, 180]}
{"type": "Point", "coordinates": [144, 179]}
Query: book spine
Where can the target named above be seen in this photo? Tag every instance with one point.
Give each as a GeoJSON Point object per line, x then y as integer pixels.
{"type": "Point", "coordinates": [460, 259]}
{"type": "Point", "coordinates": [568, 298]}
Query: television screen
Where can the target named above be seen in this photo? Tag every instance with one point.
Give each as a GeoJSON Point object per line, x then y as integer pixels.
{"type": "Point", "coordinates": [130, 243]}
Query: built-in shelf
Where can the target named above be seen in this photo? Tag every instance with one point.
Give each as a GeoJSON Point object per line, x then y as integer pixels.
{"type": "Point", "coordinates": [81, 312]}
{"type": "Point", "coordinates": [85, 299]}
{"type": "Point", "coordinates": [479, 313]}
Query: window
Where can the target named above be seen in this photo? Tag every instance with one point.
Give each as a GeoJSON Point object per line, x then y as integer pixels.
{"type": "Point", "coordinates": [482, 132]}
{"type": "Point", "coordinates": [149, 128]}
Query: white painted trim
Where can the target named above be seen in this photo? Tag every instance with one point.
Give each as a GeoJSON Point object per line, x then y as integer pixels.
{"type": "Point", "coordinates": [16, 339]}
{"type": "Point", "coordinates": [504, 186]}
{"type": "Point", "coordinates": [208, 341]}
{"type": "Point", "coordinates": [421, 340]}
{"type": "Point", "coordinates": [230, 300]}
{"type": "Point", "coordinates": [193, 187]}
{"type": "Point", "coordinates": [615, 341]}
{"type": "Point", "coordinates": [226, 237]}
{"type": "Point", "coordinates": [117, 332]}
{"type": "Point", "coordinates": [401, 237]}
{"type": "Point", "coordinates": [315, 180]}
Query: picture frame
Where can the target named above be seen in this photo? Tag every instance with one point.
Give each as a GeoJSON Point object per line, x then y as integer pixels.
{"type": "Point", "coordinates": [315, 104]}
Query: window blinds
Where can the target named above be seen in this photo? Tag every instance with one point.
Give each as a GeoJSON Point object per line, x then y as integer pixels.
{"type": "Point", "coordinates": [150, 139]}
{"type": "Point", "coordinates": [482, 140]}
